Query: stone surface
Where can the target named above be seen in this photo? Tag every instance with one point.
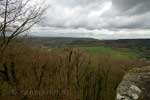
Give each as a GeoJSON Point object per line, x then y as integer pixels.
{"type": "Point", "coordinates": [135, 85]}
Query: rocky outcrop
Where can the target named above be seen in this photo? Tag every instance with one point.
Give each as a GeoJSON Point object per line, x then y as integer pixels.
{"type": "Point", "coordinates": [135, 85]}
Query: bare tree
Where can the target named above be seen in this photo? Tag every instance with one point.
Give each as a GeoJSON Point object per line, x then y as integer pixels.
{"type": "Point", "coordinates": [16, 17]}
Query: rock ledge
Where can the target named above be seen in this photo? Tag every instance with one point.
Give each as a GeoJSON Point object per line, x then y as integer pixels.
{"type": "Point", "coordinates": [135, 85]}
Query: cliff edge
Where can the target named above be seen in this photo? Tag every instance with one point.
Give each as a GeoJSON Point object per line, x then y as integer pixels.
{"type": "Point", "coordinates": [135, 85]}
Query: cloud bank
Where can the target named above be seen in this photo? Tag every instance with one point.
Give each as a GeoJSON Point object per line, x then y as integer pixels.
{"type": "Point", "coordinates": [103, 19]}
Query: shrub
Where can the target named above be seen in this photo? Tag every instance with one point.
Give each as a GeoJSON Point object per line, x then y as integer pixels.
{"type": "Point", "coordinates": [36, 74]}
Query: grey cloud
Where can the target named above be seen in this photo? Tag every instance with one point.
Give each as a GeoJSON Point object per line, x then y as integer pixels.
{"type": "Point", "coordinates": [128, 22]}
{"type": "Point", "coordinates": [98, 15]}
{"type": "Point", "coordinates": [132, 7]}
{"type": "Point", "coordinates": [72, 3]}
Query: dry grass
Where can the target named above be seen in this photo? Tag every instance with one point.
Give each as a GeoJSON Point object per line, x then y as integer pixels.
{"type": "Point", "coordinates": [70, 74]}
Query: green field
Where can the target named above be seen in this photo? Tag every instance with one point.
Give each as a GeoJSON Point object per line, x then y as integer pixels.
{"type": "Point", "coordinates": [102, 50]}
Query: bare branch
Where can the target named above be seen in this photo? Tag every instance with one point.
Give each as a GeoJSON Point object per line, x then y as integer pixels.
{"type": "Point", "coordinates": [18, 16]}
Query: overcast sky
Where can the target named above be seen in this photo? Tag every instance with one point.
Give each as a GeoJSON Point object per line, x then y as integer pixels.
{"type": "Point", "coordinates": [102, 19]}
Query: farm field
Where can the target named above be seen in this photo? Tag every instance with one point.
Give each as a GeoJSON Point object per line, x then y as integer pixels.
{"type": "Point", "coordinates": [119, 53]}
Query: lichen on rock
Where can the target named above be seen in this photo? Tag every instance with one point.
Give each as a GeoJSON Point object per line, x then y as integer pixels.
{"type": "Point", "coordinates": [135, 85]}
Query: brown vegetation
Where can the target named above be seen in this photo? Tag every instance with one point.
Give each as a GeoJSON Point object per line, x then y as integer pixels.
{"type": "Point", "coordinates": [71, 74]}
